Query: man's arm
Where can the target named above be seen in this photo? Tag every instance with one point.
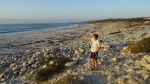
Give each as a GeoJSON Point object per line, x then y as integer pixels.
{"type": "Point", "coordinates": [86, 36]}
{"type": "Point", "coordinates": [98, 49]}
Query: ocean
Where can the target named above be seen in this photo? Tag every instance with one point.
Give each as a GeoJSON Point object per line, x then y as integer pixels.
{"type": "Point", "coordinates": [13, 29]}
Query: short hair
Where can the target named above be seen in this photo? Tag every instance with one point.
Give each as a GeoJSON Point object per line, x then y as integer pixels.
{"type": "Point", "coordinates": [96, 36]}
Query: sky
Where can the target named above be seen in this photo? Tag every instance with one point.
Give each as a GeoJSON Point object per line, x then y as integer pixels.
{"type": "Point", "coordinates": [60, 11]}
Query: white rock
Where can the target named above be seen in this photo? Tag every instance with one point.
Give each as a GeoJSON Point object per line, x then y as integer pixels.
{"type": "Point", "coordinates": [114, 59]}
{"type": "Point", "coordinates": [51, 62]}
{"type": "Point", "coordinates": [45, 66]}
{"type": "Point", "coordinates": [71, 63]}
{"type": "Point", "coordinates": [105, 45]}
{"type": "Point", "coordinates": [27, 51]}
{"type": "Point", "coordinates": [125, 48]}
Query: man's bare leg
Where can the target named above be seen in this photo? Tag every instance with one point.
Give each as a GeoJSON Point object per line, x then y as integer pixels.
{"type": "Point", "coordinates": [93, 63]}
{"type": "Point", "coordinates": [96, 65]}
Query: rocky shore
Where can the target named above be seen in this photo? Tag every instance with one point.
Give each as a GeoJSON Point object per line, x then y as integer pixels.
{"type": "Point", "coordinates": [21, 56]}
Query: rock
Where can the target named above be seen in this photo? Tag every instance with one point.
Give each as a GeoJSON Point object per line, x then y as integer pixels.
{"type": "Point", "coordinates": [31, 61]}
{"type": "Point", "coordinates": [71, 63]}
{"type": "Point", "coordinates": [7, 63]}
{"type": "Point", "coordinates": [105, 46]}
{"type": "Point", "coordinates": [130, 70]}
{"type": "Point", "coordinates": [8, 70]}
{"type": "Point", "coordinates": [81, 50]}
{"type": "Point", "coordinates": [125, 48]}
{"type": "Point", "coordinates": [12, 65]}
{"type": "Point", "coordinates": [27, 51]}
{"type": "Point", "coordinates": [51, 62]}
{"type": "Point", "coordinates": [45, 66]}
{"type": "Point", "coordinates": [111, 76]}
{"type": "Point", "coordinates": [24, 64]}
{"type": "Point", "coordinates": [147, 57]}
{"type": "Point", "coordinates": [146, 76]}
{"type": "Point", "coordinates": [33, 71]}
{"type": "Point", "coordinates": [114, 59]}
{"type": "Point", "coordinates": [75, 58]}
{"type": "Point", "coordinates": [147, 66]}
{"type": "Point", "coordinates": [2, 75]}
{"type": "Point", "coordinates": [23, 69]}
{"type": "Point", "coordinates": [17, 67]}
{"type": "Point", "coordinates": [121, 81]}
{"type": "Point", "coordinates": [38, 53]}
{"type": "Point", "coordinates": [131, 61]}
{"type": "Point", "coordinates": [77, 52]}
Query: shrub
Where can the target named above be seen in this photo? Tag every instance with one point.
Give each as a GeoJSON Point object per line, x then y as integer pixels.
{"type": "Point", "coordinates": [46, 73]}
{"type": "Point", "coordinates": [70, 79]}
{"type": "Point", "coordinates": [141, 46]}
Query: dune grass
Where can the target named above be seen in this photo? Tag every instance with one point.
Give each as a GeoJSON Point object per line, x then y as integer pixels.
{"type": "Point", "coordinates": [70, 79]}
{"type": "Point", "coordinates": [47, 73]}
{"type": "Point", "coordinates": [142, 46]}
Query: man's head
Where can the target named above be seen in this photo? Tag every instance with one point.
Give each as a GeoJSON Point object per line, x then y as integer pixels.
{"type": "Point", "coordinates": [95, 36]}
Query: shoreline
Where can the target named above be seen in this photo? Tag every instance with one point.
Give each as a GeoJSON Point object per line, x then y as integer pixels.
{"type": "Point", "coordinates": [35, 38]}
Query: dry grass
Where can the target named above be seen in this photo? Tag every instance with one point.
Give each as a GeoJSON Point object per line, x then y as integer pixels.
{"type": "Point", "coordinates": [142, 46]}
{"type": "Point", "coordinates": [70, 79]}
{"type": "Point", "coordinates": [47, 73]}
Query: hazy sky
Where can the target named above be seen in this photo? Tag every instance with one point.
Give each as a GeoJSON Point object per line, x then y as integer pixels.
{"type": "Point", "coordinates": [41, 11]}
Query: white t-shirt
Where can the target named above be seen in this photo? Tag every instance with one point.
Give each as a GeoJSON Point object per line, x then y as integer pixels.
{"type": "Point", "coordinates": [94, 45]}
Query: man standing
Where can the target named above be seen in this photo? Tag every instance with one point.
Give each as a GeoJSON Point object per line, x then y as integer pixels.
{"type": "Point", "coordinates": [95, 47]}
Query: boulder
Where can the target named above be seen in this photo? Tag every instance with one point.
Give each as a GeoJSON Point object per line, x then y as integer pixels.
{"type": "Point", "coordinates": [71, 63]}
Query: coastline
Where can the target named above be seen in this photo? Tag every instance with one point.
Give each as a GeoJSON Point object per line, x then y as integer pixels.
{"type": "Point", "coordinates": [13, 41]}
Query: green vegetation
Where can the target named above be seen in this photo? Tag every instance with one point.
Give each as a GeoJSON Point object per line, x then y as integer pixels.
{"type": "Point", "coordinates": [70, 79]}
{"type": "Point", "coordinates": [141, 46]}
{"type": "Point", "coordinates": [46, 73]}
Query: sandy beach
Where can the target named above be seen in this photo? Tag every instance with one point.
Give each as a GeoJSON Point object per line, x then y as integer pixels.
{"type": "Point", "coordinates": [19, 54]}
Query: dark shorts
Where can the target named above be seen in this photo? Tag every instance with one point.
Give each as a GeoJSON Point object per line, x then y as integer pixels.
{"type": "Point", "coordinates": [94, 55]}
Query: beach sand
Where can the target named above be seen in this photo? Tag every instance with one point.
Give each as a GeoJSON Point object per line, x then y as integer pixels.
{"type": "Point", "coordinates": [114, 66]}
